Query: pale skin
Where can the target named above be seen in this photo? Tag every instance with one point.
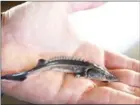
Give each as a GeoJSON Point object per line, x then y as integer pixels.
{"type": "Point", "coordinates": [40, 30]}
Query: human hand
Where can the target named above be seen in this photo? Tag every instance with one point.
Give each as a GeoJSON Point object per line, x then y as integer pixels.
{"type": "Point", "coordinates": [28, 34]}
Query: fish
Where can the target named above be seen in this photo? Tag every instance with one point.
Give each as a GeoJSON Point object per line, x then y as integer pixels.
{"type": "Point", "coordinates": [68, 64]}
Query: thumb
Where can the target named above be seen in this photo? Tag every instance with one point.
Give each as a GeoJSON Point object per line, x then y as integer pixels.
{"type": "Point", "coordinates": [79, 6]}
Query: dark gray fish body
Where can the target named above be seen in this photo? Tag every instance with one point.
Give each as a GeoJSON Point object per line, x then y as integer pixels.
{"type": "Point", "coordinates": [71, 65]}
{"type": "Point", "coordinates": [63, 64]}
{"type": "Point", "coordinates": [79, 67]}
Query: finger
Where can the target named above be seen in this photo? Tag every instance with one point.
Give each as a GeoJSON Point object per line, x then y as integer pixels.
{"type": "Point", "coordinates": [58, 88]}
{"type": "Point", "coordinates": [127, 76]}
{"type": "Point", "coordinates": [72, 89]}
{"type": "Point", "coordinates": [106, 95]}
{"type": "Point", "coordinates": [125, 88]}
{"type": "Point", "coordinates": [78, 6]}
{"type": "Point", "coordinates": [91, 53]}
{"type": "Point", "coordinates": [16, 58]}
{"type": "Point", "coordinates": [122, 87]}
{"type": "Point", "coordinates": [37, 88]}
{"type": "Point", "coordinates": [118, 61]}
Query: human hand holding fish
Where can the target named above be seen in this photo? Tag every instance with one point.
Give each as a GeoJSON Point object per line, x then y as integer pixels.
{"type": "Point", "coordinates": [23, 44]}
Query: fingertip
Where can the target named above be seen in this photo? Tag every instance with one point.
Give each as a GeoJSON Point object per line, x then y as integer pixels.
{"type": "Point", "coordinates": [127, 76]}
{"type": "Point", "coordinates": [115, 60]}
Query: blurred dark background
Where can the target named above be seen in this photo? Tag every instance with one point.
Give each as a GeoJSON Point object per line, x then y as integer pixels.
{"type": "Point", "coordinates": [5, 5]}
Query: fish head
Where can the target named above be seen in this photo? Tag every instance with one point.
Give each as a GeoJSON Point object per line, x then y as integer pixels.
{"type": "Point", "coordinates": [101, 74]}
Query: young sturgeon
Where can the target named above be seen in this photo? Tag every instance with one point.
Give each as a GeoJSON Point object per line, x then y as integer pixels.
{"type": "Point", "coordinates": [79, 67]}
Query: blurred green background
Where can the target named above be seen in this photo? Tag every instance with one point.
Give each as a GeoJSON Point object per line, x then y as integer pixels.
{"type": "Point", "coordinates": [133, 52]}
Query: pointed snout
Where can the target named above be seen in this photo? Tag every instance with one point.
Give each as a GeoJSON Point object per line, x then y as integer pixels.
{"type": "Point", "coordinates": [112, 78]}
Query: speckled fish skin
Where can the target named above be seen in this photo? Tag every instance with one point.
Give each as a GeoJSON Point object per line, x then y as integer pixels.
{"type": "Point", "coordinates": [64, 64]}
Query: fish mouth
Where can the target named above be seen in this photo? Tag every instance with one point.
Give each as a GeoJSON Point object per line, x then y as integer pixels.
{"type": "Point", "coordinates": [112, 78]}
{"type": "Point", "coordinates": [106, 78]}
{"type": "Point", "coordinates": [101, 75]}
